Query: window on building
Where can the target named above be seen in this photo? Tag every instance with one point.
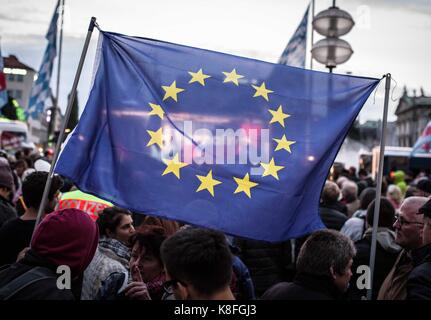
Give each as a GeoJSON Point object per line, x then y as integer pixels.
{"type": "Point", "coordinates": [11, 77]}
{"type": "Point", "coordinates": [20, 78]}
{"type": "Point", "coordinates": [18, 94]}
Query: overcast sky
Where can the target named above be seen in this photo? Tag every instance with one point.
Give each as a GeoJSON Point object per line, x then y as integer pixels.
{"type": "Point", "coordinates": [389, 35]}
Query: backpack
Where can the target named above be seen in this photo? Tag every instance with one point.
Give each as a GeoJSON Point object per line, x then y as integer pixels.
{"type": "Point", "coordinates": [24, 280]}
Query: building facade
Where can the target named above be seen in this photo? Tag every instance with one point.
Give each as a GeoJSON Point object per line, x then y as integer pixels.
{"type": "Point", "coordinates": [413, 113]}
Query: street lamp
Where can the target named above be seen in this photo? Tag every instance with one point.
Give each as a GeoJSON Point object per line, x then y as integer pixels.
{"type": "Point", "coordinates": [332, 23]}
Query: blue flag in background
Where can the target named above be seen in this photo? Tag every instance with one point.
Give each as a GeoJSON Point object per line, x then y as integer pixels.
{"type": "Point", "coordinates": [41, 91]}
{"type": "Point", "coordinates": [214, 140]}
{"type": "Point", "coordinates": [294, 53]}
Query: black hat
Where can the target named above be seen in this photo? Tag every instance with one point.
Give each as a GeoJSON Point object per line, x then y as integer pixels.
{"type": "Point", "coordinates": [426, 209]}
{"type": "Point", "coordinates": [424, 185]}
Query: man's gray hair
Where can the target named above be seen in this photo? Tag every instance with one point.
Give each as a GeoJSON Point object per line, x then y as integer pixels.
{"type": "Point", "coordinates": [325, 249]}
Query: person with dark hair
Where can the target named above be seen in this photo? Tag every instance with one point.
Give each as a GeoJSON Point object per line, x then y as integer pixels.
{"type": "Point", "coordinates": [386, 249]}
{"type": "Point", "coordinates": [7, 210]}
{"type": "Point", "coordinates": [15, 235]}
{"type": "Point", "coordinates": [419, 280]}
{"type": "Point", "coordinates": [331, 217]}
{"type": "Point", "coordinates": [113, 253]}
{"type": "Point", "coordinates": [198, 265]}
{"type": "Point", "coordinates": [355, 227]}
{"type": "Point", "coordinates": [323, 269]}
{"type": "Point", "coordinates": [170, 226]}
{"type": "Point", "coordinates": [66, 238]}
{"type": "Point", "coordinates": [147, 276]}
{"type": "Point", "coordinates": [423, 187]}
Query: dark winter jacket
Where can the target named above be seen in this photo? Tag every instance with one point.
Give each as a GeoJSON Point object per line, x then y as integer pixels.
{"type": "Point", "coordinates": [386, 254]}
{"type": "Point", "coordinates": [268, 263]}
{"type": "Point", "coordinates": [304, 287]}
{"type": "Point", "coordinates": [332, 219]}
{"type": "Point", "coordinates": [7, 211]}
{"type": "Point", "coordinates": [419, 280]}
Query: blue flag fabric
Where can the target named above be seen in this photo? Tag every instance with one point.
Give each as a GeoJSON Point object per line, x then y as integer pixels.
{"type": "Point", "coordinates": [214, 140]}
{"type": "Point", "coordinates": [41, 89]}
{"type": "Point", "coordinates": [294, 53]}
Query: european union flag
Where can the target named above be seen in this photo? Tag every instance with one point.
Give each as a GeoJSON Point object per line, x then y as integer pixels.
{"type": "Point", "coordinates": [211, 139]}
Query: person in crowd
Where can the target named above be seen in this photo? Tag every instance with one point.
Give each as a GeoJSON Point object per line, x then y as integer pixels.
{"type": "Point", "coordinates": [268, 263]}
{"type": "Point", "coordinates": [365, 176]}
{"type": "Point", "coordinates": [331, 217]}
{"type": "Point", "coordinates": [399, 180]}
{"type": "Point", "coordinates": [386, 249]}
{"type": "Point", "coordinates": [198, 265]}
{"type": "Point", "coordinates": [169, 226]}
{"type": "Point", "coordinates": [352, 174]}
{"type": "Point", "coordinates": [355, 227]}
{"type": "Point", "coordinates": [408, 234]}
{"type": "Point", "coordinates": [63, 245]}
{"type": "Point", "coordinates": [349, 192]}
{"type": "Point", "coordinates": [323, 269]}
{"type": "Point", "coordinates": [423, 187]}
{"type": "Point", "coordinates": [147, 275]}
{"type": "Point", "coordinates": [15, 234]}
{"type": "Point", "coordinates": [113, 253]}
{"type": "Point", "coordinates": [395, 196]}
{"type": "Point", "coordinates": [7, 209]}
{"type": "Point", "coordinates": [419, 280]}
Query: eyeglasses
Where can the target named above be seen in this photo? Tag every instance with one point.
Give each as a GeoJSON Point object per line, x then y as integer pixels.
{"type": "Point", "coordinates": [402, 221]}
{"type": "Point", "coordinates": [169, 285]}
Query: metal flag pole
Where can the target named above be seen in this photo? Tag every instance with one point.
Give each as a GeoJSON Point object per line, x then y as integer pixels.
{"type": "Point", "coordinates": [312, 33]}
{"type": "Point", "coordinates": [379, 186]}
{"type": "Point", "coordinates": [65, 120]}
{"type": "Point", "coordinates": [51, 127]}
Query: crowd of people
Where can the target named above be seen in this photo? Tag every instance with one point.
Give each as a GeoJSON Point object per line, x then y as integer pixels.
{"type": "Point", "coordinates": [122, 255]}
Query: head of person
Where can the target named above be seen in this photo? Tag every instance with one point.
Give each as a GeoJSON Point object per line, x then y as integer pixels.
{"type": "Point", "coordinates": [330, 193]}
{"type": "Point", "coordinates": [116, 223]}
{"type": "Point", "coordinates": [386, 214]}
{"type": "Point", "coordinates": [394, 193]}
{"type": "Point", "coordinates": [408, 225]}
{"type": "Point", "coordinates": [198, 263]}
{"type": "Point", "coordinates": [6, 179]}
{"type": "Point", "coordinates": [341, 180]}
{"type": "Point", "coordinates": [349, 191]}
{"type": "Point", "coordinates": [146, 263]}
{"type": "Point", "coordinates": [327, 253]}
{"type": "Point", "coordinates": [363, 174]}
{"type": "Point", "coordinates": [33, 187]}
{"type": "Point", "coordinates": [67, 237]}
{"type": "Point", "coordinates": [423, 187]}
{"type": "Point", "coordinates": [425, 210]}
{"type": "Point", "coordinates": [169, 226]}
{"type": "Point", "coordinates": [20, 167]}
{"type": "Point", "coordinates": [368, 195]}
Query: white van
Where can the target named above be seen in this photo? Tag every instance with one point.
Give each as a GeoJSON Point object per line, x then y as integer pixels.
{"type": "Point", "coordinates": [13, 134]}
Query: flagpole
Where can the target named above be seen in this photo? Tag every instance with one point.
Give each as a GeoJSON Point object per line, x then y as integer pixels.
{"type": "Point", "coordinates": [51, 126]}
{"type": "Point", "coordinates": [65, 120]}
{"type": "Point", "coordinates": [379, 186]}
{"type": "Point", "coordinates": [312, 33]}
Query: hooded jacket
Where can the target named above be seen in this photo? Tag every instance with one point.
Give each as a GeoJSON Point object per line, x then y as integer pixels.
{"type": "Point", "coordinates": [386, 254]}
{"type": "Point", "coordinates": [64, 238]}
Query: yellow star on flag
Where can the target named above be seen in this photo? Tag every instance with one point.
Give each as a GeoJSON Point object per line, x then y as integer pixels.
{"type": "Point", "coordinates": [244, 185]}
{"type": "Point", "coordinates": [261, 91]}
{"type": "Point", "coordinates": [283, 143]}
{"type": "Point", "coordinates": [271, 169]}
{"type": "Point", "coordinates": [172, 91]}
{"type": "Point", "coordinates": [156, 138]}
{"type": "Point", "coordinates": [173, 166]}
{"type": "Point", "coordinates": [232, 77]}
{"type": "Point", "coordinates": [207, 183]}
{"type": "Point", "coordinates": [156, 110]}
{"type": "Point", "coordinates": [278, 116]}
{"type": "Point", "coordinates": [198, 77]}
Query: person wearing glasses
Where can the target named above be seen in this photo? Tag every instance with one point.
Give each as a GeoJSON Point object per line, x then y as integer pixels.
{"type": "Point", "coordinates": [419, 281]}
{"type": "Point", "coordinates": [198, 265]}
{"type": "Point", "coordinates": [408, 234]}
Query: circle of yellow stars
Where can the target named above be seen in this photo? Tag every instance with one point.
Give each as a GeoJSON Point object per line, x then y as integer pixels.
{"type": "Point", "coordinates": [208, 182]}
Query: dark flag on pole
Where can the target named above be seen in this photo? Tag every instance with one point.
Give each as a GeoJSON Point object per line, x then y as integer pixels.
{"type": "Point", "coordinates": [210, 139]}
